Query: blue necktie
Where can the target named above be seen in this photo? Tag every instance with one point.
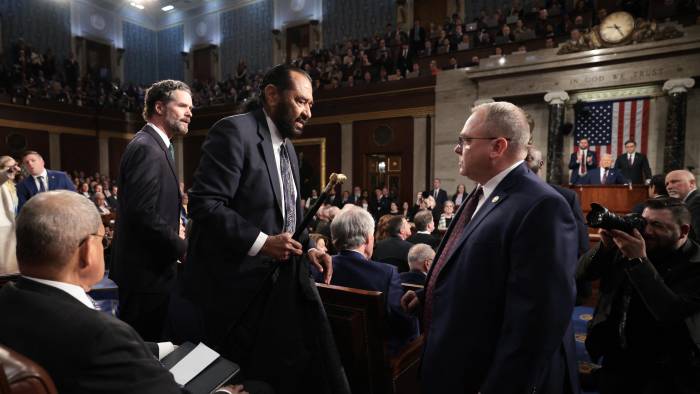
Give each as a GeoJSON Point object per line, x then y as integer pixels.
{"type": "Point", "coordinates": [42, 188]}
{"type": "Point", "coordinates": [290, 212]}
{"type": "Point", "coordinates": [171, 149]}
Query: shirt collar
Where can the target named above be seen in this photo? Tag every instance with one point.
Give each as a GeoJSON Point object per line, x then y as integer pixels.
{"type": "Point", "coordinates": [161, 134]}
{"type": "Point", "coordinates": [275, 135]}
{"type": "Point", "coordinates": [76, 291]}
{"type": "Point", "coordinates": [423, 232]}
{"type": "Point", "coordinates": [492, 183]}
{"type": "Point", "coordinates": [45, 174]}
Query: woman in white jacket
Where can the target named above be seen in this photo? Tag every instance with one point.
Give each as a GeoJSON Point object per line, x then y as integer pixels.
{"type": "Point", "coordinates": [8, 210]}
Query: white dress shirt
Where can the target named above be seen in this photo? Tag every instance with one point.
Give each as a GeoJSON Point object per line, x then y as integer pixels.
{"type": "Point", "coordinates": [161, 133]}
{"type": "Point", "coordinates": [492, 183]}
{"type": "Point", "coordinates": [277, 142]}
{"type": "Point", "coordinates": [630, 158]}
{"type": "Point", "coordinates": [45, 180]}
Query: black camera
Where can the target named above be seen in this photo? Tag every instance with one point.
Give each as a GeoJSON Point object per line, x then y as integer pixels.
{"type": "Point", "coordinates": [601, 217]}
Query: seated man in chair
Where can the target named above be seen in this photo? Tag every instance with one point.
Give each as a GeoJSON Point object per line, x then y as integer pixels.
{"type": "Point", "coordinates": [49, 317]}
{"type": "Point", "coordinates": [353, 236]}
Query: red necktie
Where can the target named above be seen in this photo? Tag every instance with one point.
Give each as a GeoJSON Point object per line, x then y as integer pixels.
{"type": "Point", "coordinates": [605, 177]}
{"type": "Point", "coordinates": [464, 218]}
{"type": "Point", "coordinates": [582, 165]}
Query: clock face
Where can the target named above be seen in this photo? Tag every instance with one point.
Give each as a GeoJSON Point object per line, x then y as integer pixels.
{"type": "Point", "coordinates": [616, 27]}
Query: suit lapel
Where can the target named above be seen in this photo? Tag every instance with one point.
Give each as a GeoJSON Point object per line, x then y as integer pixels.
{"type": "Point", "coordinates": [31, 185]}
{"type": "Point", "coordinates": [52, 180]}
{"type": "Point", "coordinates": [266, 147]}
{"type": "Point", "coordinates": [154, 134]}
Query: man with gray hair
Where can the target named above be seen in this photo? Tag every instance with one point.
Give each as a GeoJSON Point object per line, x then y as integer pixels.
{"type": "Point", "coordinates": [52, 320]}
{"type": "Point", "coordinates": [353, 236]}
{"type": "Point", "coordinates": [420, 258]}
{"type": "Point", "coordinates": [424, 230]}
{"type": "Point", "coordinates": [508, 257]}
{"type": "Point", "coordinates": [149, 237]}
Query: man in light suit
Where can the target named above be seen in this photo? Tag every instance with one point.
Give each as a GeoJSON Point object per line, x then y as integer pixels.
{"type": "Point", "coordinates": [498, 298]}
{"type": "Point", "coordinates": [40, 179]}
{"type": "Point", "coordinates": [633, 165]}
{"type": "Point", "coordinates": [259, 307]}
{"type": "Point", "coordinates": [581, 161]}
{"type": "Point", "coordinates": [604, 175]}
{"type": "Point", "coordinates": [149, 237]}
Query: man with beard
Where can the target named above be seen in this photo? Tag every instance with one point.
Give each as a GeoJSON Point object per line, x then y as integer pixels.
{"type": "Point", "coordinates": [647, 322]}
{"type": "Point", "coordinates": [257, 303]}
{"type": "Point", "coordinates": [149, 237]}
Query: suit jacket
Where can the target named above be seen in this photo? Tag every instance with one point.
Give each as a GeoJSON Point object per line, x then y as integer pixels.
{"type": "Point", "coordinates": [146, 242]}
{"type": "Point", "coordinates": [235, 196]}
{"type": "Point", "coordinates": [428, 239]}
{"type": "Point", "coordinates": [27, 188]}
{"type": "Point", "coordinates": [574, 167]}
{"type": "Point", "coordinates": [351, 269]}
{"type": "Point", "coordinates": [439, 203]}
{"type": "Point", "coordinates": [693, 204]}
{"type": "Point", "coordinates": [638, 172]}
{"type": "Point", "coordinates": [503, 300]}
{"type": "Point", "coordinates": [413, 277]}
{"type": "Point", "coordinates": [394, 251]}
{"type": "Point", "coordinates": [84, 351]}
{"type": "Point", "coordinates": [572, 199]}
{"type": "Point", "coordinates": [593, 177]}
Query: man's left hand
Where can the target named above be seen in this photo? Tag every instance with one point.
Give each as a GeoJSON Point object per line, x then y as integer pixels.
{"type": "Point", "coordinates": [632, 245]}
{"type": "Point", "coordinates": [323, 263]}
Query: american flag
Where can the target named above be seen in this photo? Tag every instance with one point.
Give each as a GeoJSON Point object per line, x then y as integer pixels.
{"type": "Point", "coordinates": [608, 124]}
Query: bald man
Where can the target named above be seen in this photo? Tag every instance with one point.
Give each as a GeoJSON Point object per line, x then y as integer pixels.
{"type": "Point", "coordinates": [681, 184]}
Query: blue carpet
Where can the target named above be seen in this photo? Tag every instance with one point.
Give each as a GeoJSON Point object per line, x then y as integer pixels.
{"type": "Point", "coordinates": [581, 316]}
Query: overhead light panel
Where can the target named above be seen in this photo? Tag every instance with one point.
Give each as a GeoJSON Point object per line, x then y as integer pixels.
{"type": "Point", "coordinates": [136, 5]}
{"type": "Point", "coordinates": [168, 7]}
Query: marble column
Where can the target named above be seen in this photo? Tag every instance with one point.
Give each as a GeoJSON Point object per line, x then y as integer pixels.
{"type": "Point", "coordinates": [555, 138]}
{"type": "Point", "coordinates": [346, 154]}
{"type": "Point", "coordinates": [674, 149]}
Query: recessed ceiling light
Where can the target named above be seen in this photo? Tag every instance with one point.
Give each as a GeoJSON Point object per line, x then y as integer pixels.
{"type": "Point", "coordinates": [168, 7]}
{"type": "Point", "coordinates": [137, 5]}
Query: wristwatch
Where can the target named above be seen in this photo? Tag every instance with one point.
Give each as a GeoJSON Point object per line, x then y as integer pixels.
{"type": "Point", "coordinates": [631, 263]}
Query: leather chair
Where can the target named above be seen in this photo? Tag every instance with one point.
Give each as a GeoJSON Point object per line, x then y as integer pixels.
{"type": "Point", "coordinates": [20, 375]}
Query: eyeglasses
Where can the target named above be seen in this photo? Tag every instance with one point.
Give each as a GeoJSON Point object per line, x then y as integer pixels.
{"type": "Point", "coordinates": [105, 240]}
{"type": "Point", "coordinates": [467, 141]}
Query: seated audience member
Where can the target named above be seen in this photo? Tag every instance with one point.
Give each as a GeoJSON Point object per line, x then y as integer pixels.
{"type": "Point", "coordinates": [40, 179]}
{"type": "Point", "coordinates": [434, 69]}
{"type": "Point", "coordinates": [405, 210]}
{"type": "Point", "coordinates": [415, 71]}
{"type": "Point", "coordinates": [321, 241]}
{"type": "Point", "coordinates": [84, 190]}
{"type": "Point", "coordinates": [394, 208]}
{"type": "Point", "coordinates": [464, 44]}
{"type": "Point", "coordinates": [424, 230]}
{"type": "Point", "coordinates": [448, 212]}
{"type": "Point", "coordinates": [460, 195]}
{"type": "Point", "coordinates": [60, 255]}
{"type": "Point", "coordinates": [113, 199]}
{"type": "Point", "coordinates": [604, 174]}
{"type": "Point", "coordinates": [382, 231]}
{"type": "Point", "coordinates": [394, 249]}
{"type": "Point", "coordinates": [352, 267]}
{"type": "Point", "coordinates": [681, 184]}
{"type": "Point", "coordinates": [647, 323]}
{"type": "Point", "coordinates": [101, 204]}
{"type": "Point", "coordinates": [420, 257]}
{"type": "Point", "coordinates": [656, 188]}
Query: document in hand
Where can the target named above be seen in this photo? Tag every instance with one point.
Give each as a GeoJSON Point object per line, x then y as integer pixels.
{"type": "Point", "coordinates": [198, 368]}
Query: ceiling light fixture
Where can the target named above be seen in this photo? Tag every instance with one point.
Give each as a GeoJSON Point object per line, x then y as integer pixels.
{"type": "Point", "coordinates": [168, 7]}
{"type": "Point", "coordinates": [136, 5]}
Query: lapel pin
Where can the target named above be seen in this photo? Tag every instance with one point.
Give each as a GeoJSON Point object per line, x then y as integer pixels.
{"type": "Point", "coordinates": [495, 199]}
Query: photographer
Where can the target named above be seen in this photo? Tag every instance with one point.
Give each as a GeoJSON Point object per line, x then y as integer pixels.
{"type": "Point", "coordinates": [8, 210]}
{"type": "Point", "coordinates": [646, 323]}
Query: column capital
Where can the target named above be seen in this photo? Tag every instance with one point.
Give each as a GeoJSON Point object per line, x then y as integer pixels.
{"type": "Point", "coordinates": [678, 85]}
{"type": "Point", "coordinates": [480, 101]}
{"type": "Point", "coordinates": [556, 97]}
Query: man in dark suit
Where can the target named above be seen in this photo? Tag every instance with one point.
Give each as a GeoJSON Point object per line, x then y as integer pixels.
{"type": "Point", "coordinates": [404, 61]}
{"type": "Point", "coordinates": [424, 230]}
{"type": "Point", "coordinates": [681, 184]}
{"type": "Point", "coordinates": [604, 175]}
{"type": "Point", "coordinates": [394, 249]}
{"type": "Point", "coordinates": [54, 322]}
{"type": "Point", "coordinates": [40, 179]}
{"type": "Point", "coordinates": [149, 237]}
{"type": "Point", "coordinates": [513, 241]}
{"type": "Point", "coordinates": [420, 258]}
{"type": "Point", "coordinates": [113, 199]}
{"type": "Point", "coordinates": [633, 165]}
{"type": "Point", "coordinates": [581, 161]}
{"type": "Point", "coordinates": [353, 236]}
{"type": "Point", "coordinates": [259, 307]}
{"type": "Point", "coordinates": [355, 196]}
{"type": "Point", "coordinates": [440, 196]}
{"type": "Point", "coordinates": [417, 37]}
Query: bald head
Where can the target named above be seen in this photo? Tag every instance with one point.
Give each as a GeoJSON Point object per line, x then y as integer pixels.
{"type": "Point", "coordinates": [50, 228]}
{"type": "Point", "coordinates": [420, 256]}
{"type": "Point", "coordinates": [510, 121]}
{"type": "Point", "coordinates": [680, 183]}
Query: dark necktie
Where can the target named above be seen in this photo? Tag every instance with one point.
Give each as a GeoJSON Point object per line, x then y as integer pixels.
{"type": "Point", "coordinates": [290, 212]}
{"type": "Point", "coordinates": [171, 149]}
{"type": "Point", "coordinates": [464, 218]}
{"type": "Point", "coordinates": [605, 177]}
{"type": "Point", "coordinates": [42, 188]}
{"type": "Point", "coordinates": [629, 157]}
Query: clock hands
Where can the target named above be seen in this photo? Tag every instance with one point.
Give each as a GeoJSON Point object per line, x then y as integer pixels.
{"type": "Point", "coordinates": [616, 27]}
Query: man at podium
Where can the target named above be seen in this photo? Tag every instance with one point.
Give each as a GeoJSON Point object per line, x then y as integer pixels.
{"type": "Point", "coordinates": [603, 175]}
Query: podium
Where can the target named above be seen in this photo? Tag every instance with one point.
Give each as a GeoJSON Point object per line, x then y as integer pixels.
{"type": "Point", "coordinates": [619, 199]}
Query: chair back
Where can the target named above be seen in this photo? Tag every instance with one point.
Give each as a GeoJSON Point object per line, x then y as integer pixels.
{"type": "Point", "coordinates": [20, 375]}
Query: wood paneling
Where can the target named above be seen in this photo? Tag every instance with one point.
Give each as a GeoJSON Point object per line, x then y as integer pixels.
{"type": "Point", "coordinates": [331, 132]}
{"type": "Point", "coordinates": [401, 144]}
{"type": "Point", "coordinates": [79, 153]}
{"type": "Point", "coordinates": [37, 140]}
{"type": "Point", "coordinates": [116, 147]}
